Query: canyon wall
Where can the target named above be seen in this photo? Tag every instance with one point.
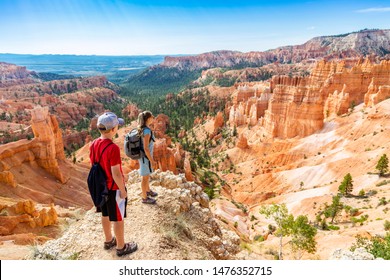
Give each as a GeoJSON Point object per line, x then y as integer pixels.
{"type": "Point", "coordinates": [355, 44]}
{"type": "Point", "coordinates": [70, 100]}
{"type": "Point", "coordinates": [11, 74]}
{"type": "Point", "coordinates": [250, 100]}
{"type": "Point", "coordinates": [24, 216]}
{"type": "Point", "coordinates": [46, 149]}
{"type": "Point", "coordinates": [37, 169]}
{"type": "Point", "coordinates": [289, 106]}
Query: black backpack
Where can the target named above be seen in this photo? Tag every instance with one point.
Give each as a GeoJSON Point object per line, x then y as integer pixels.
{"type": "Point", "coordinates": [134, 146]}
{"type": "Point", "coordinates": [97, 181]}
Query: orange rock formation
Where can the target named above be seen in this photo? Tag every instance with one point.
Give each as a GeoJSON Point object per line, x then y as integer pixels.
{"type": "Point", "coordinates": [160, 126]}
{"type": "Point", "coordinates": [354, 45]}
{"type": "Point", "coordinates": [164, 155]}
{"type": "Point", "coordinates": [45, 149]}
{"type": "Point", "coordinates": [218, 122]}
{"type": "Point", "coordinates": [78, 98]}
{"type": "Point", "coordinates": [131, 111]}
{"type": "Point", "coordinates": [249, 103]}
{"type": "Point", "coordinates": [187, 167]}
{"type": "Point", "coordinates": [49, 137]}
{"type": "Point", "coordinates": [242, 142]}
{"type": "Point", "coordinates": [299, 105]}
{"type": "Point", "coordinates": [23, 217]}
{"type": "Point", "coordinates": [37, 169]}
{"type": "Point", "coordinates": [14, 75]}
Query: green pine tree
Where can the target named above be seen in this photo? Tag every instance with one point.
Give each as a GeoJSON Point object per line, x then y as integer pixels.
{"type": "Point", "coordinates": [334, 209]}
{"type": "Point", "coordinates": [383, 165]}
{"type": "Point", "coordinates": [346, 186]}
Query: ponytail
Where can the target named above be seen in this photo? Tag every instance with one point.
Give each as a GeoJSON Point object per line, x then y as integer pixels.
{"type": "Point", "coordinates": [142, 118]}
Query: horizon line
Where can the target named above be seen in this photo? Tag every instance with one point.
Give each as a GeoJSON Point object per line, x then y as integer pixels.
{"type": "Point", "coordinates": [70, 54]}
{"type": "Point", "coordinates": [194, 54]}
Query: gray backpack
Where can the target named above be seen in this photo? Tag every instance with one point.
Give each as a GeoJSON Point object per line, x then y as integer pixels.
{"type": "Point", "coordinates": [134, 147]}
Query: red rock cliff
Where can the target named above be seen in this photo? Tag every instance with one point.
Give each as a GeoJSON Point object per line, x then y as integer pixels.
{"type": "Point", "coordinates": [349, 45]}
{"type": "Point", "coordinates": [37, 169]}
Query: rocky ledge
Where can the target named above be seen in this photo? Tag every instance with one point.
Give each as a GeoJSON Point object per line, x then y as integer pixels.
{"type": "Point", "coordinates": [179, 226]}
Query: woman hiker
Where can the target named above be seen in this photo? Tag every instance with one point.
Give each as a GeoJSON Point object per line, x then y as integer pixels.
{"type": "Point", "coordinates": [147, 163]}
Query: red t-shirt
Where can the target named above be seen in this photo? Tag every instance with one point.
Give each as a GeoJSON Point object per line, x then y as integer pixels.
{"type": "Point", "coordinates": [110, 157]}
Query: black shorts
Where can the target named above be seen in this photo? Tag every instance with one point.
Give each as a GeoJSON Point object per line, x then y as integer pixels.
{"type": "Point", "coordinates": [114, 208]}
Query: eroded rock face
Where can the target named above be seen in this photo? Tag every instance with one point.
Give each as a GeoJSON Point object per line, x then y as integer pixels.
{"type": "Point", "coordinates": [249, 74]}
{"type": "Point", "coordinates": [131, 111]}
{"type": "Point", "coordinates": [218, 122]}
{"type": "Point", "coordinates": [49, 136]}
{"type": "Point", "coordinates": [355, 44]}
{"type": "Point", "coordinates": [182, 133]}
{"type": "Point", "coordinates": [297, 106]}
{"type": "Point", "coordinates": [11, 74]}
{"type": "Point", "coordinates": [290, 111]}
{"type": "Point", "coordinates": [8, 178]}
{"type": "Point", "coordinates": [24, 215]}
{"type": "Point", "coordinates": [300, 104]}
{"type": "Point", "coordinates": [189, 197]}
{"type": "Point", "coordinates": [70, 100]}
{"type": "Point", "coordinates": [250, 100]}
{"type": "Point", "coordinates": [197, 121]}
{"type": "Point", "coordinates": [179, 155]}
{"type": "Point", "coordinates": [242, 142]}
{"type": "Point", "coordinates": [55, 87]}
{"type": "Point", "coordinates": [160, 125]}
{"type": "Point", "coordinates": [336, 103]}
{"type": "Point", "coordinates": [73, 140]}
{"type": "Point", "coordinates": [379, 88]}
{"type": "Point", "coordinates": [187, 168]}
{"type": "Point", "coordinates": [46, 149]}
{"type": "Point", "coordinates": [164, 155]}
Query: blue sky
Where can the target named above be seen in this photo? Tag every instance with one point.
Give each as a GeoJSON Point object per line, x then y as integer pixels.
{"type": "Point", "coordinates": [120, 27]}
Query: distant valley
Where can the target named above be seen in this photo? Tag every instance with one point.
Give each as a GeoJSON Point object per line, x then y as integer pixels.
{"type": "Point", "coordinates": [115, 68]}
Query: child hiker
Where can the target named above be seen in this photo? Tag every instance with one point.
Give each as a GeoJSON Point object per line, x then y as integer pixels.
{"type": "Point", "coordinates": [114, 210]}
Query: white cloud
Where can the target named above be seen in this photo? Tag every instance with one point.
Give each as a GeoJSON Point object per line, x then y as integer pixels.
{"type": "Point", "coordinates": [374, 10]}
{"type": "Point", "coordinates": [311, 28]}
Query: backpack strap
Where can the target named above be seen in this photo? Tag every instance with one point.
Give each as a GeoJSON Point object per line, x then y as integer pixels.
{"type": "Point", "coordinates": [104, 150]}
{"type": "Point", "coordinates": [152, 139]}
{"type": "Point", "coordinates": [94, 152]}
{"type": "Point", "coordinates": [113, 182]}
{"type": "Point", "coordinates": [150, 167]}
{"type": "Point", "coordinates": [151, 133]}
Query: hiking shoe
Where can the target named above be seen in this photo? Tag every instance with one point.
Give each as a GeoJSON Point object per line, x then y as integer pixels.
{"type": "Point", "coordinates": [152, 193]}
{"type": "Point", "coordinates": [149, 200]}
{"type": "Point", "coordinates": [110, 244]}
{"type": "Point", "coordinates": [127, 249]}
